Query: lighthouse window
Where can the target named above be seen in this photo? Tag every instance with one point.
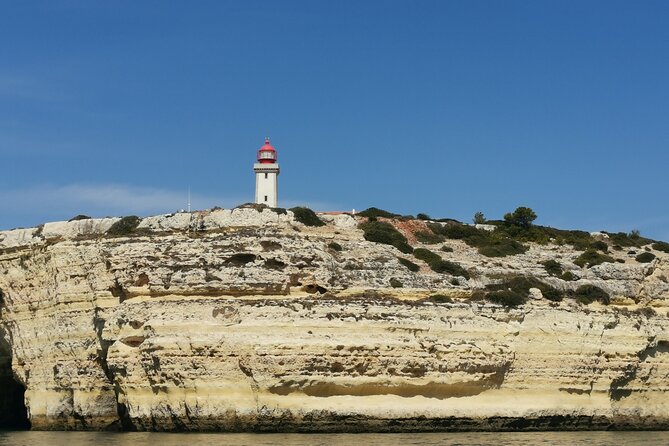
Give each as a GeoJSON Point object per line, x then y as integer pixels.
{"type": "Point", "coordinates": [265, 195]}
{"type": "Point", "coordinates": [265, 178]}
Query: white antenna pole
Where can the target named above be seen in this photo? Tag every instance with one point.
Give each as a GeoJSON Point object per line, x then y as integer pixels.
{"type": "Point", "coordinates": [189, 198]}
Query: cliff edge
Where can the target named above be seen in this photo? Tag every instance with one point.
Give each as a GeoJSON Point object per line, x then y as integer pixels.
{"type": "Point", "coordinates": [247, 319]}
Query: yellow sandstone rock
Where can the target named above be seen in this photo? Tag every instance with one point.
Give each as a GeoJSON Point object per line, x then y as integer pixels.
{"type": "Point", "coordinates": [236, 320]}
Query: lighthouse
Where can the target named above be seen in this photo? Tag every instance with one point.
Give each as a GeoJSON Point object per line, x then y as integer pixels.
{"type": "Point", "coordinates": [267, 171]}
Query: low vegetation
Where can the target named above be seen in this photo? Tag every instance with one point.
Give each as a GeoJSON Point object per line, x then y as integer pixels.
{"type": "Point", "coordinates": [439, 299]}
{"type": "Point", "coordinates": [240, 259]}
{"type": "Point", "coordinates": [599, 245]}
{"type": "Point", "coordinates": [591, 258]}
{"type": "Point", "coordinates": [438, 265]}
{"type": "Point", "coordinates": [429, 238]}
{"type": "Point", "coordinates": [645, 257]}
{"type": "Point", "coordinates": [568, 276]}
{"type": "Point", "coordinates": [335, 246]}
{"type": "Point", "coordinates": [306, 216]}
{"type": "Point", "coordinates": [409, 264]}
{"type": "Point", "coordinates": [376, 212]}
{"type": "Point", "coordinates": [587, 294]}
{"type": "Point", "coordinates": [80, 217]}
{"type": "Point", "coordinates": [516, 288]}
{"type": "Point", "coordinates": [489, 244]}
{"type": "Point", "coordinates": [426, 255]}
{"type": "Point", "coordinates": [553, 268]}
{"type": "Point", "coordinates": [502, 248]}
{"type": "Point", "coordinates": [395, 283]}
{"type": "Point", "coordinates": [508, 298]}
{"type": "Point", "coordinates": [444, 266]}
{"type": "Point", "coordinates": [661, 246]}
{"type": "Point", "coordinates": [383, 232]}
{"type": "Point", "coordinates": [125, 226]}
{"type": "Point", "coordinates": [628, 240]}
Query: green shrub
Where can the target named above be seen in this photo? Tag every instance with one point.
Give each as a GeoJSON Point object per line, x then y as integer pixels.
{"type": "Point", "coordinates": [240, 259]}
{"type": "Point", "coordinates": [552, 294]}
{"type": "Point", "coordinates": [479, 218]}
{"type": "Point", "coordinates": [661, 246]}
{"type": "Point", "coordinates": [586, 294]}
{"type": "Point", "coordinates": [628, 240]}
{"type": "Point", "coordinates": [440, 299]}
{"type": "Point", "coordinates": [403, 247]}
{"type": "Point", "coordinates": [306, 216]}
{"type": "Point", "coordinates": [279, 211]}
{"type": "Point", "coordinates": [448, 220]}
{"type": "Point", "coordinates": [383, 232]}
{"type": "Point", "coordinates": [508, 298]}
{"type": "Point", "coordinates": [553, 268]}
{"type": "Point", "coordinates": [568, 276]}
{"type": "Point", "coordinates": [426, 255]}
{"type": "Point", "coordinates": [423, 217]}
{"type": "Point", "coordinates": [645, 257]}
{"type": "Point", "coordinates": [409, 264]}
{"type": "Point", "coordinates": [521, 217]}
{"type": "Point", "coordinates": [457, 231]}
{"type": "Point", "coordinates": [125, 226]}
{"type": "Point", "coordinates": [501, 248]}
{"type": "Point", "coordinates": [599, 246]}
{"type": "Point", "coordinates": [489, 244]}
{"type": "Point", "coordinates": [591, 258]}
{"type": "Point", "coordinates": [438, 265]}
{"type": "Point", "coordinates": [543, 234]}
{"type": "Point", "coordinates": [429, 238]}
{"type": "Point", "coordinates": [395, 283]}
{"type": "Point", "coordinates": [446, 248]}
{"type": "Point", "coordinates": [514, 287]}
{"type": "Point", "coordinates": [80, 217]}
{"type": "Point", "coordinates": [376, 212]}
{"type": "Point", "coordinates": [580, 240]}
{"type": "Point", "coordinates": [444, 266]}
{"type": "Point", "coordinates": [335, 246]}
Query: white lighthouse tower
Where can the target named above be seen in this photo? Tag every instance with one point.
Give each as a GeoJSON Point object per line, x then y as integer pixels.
{"type": "Point", "coordinates": [267, 171]}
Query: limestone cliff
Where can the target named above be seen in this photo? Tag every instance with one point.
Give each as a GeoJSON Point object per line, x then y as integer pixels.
{"type": "Point", "coordinates": [248, 320]}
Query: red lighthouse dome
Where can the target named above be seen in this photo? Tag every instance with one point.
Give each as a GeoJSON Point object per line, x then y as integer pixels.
{"type": "Point", "coordinates": [267, 154]}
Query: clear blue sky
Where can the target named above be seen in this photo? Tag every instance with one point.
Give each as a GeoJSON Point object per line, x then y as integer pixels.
{"type": "Point", "coordinates": [441, 107]}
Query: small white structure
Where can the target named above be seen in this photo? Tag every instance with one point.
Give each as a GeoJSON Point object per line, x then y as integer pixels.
{"type": "Point", "coordinates": [267, 171]}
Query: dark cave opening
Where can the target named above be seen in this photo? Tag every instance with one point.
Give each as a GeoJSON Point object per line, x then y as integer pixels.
{"type": "Point", "coordinates": [13, 412]}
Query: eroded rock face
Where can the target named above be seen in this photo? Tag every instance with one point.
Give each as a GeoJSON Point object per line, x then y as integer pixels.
{"type": "Point", "coordinates": [240, 320]}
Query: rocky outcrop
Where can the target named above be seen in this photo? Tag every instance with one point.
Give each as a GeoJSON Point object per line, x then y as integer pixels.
{"type": "Point", "coordinates": [248, 320]}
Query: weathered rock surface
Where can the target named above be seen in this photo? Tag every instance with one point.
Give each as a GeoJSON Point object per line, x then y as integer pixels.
{"type": "Point", "coordinates": [240, 320]}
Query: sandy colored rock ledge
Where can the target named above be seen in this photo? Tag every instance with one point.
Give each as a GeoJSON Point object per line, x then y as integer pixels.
{"type": "Point", "coordinates": [246, 320]}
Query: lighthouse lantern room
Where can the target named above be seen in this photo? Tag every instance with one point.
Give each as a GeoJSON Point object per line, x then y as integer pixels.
{"type": "Point", "coordinates": [267, 171]}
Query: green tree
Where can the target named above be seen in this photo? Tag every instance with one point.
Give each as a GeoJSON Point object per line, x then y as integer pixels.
{"type": "Point", "coordinates": [479, 218]}
{"type": "Point", "coordinates": [522, 217]}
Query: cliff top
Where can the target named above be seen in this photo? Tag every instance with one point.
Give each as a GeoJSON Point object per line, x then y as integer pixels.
{"type": "Point", "coordinates": [503, 262]}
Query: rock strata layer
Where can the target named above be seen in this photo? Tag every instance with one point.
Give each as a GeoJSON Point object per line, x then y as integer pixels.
{"type": "Point", "coordinates": [247, 320]}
